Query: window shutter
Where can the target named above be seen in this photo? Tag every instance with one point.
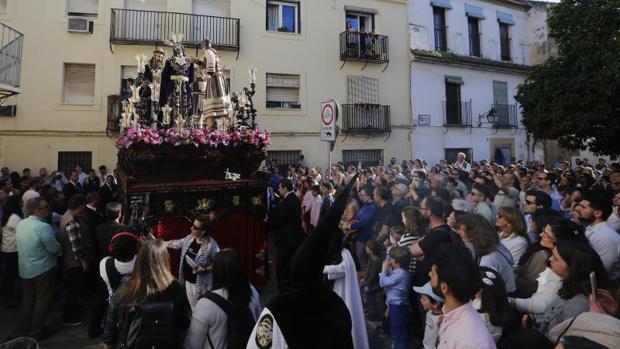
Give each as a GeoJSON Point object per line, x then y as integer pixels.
{"type": "Point", "coordinates": [276, 80]}
{"type": "Point", "coordinates": [150, 5]}
{"type": "Point", "coordinates": [79, 83]}
{"type": "Point", "coordinates": [220, 8]}
{"type": "Point", "coordinates": [79, 7]}
{"type": "Point", "coordinates": [363, 90]}
{"type": "Point", "coordinates": [277, 94]}
{"type": "Point", "coordinates": [129, 72]}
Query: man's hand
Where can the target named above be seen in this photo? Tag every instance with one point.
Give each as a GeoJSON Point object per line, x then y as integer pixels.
{"type": "Point", "coordinates": [84, 264]}
{"type": "Point", "coordinates": [604, 303]}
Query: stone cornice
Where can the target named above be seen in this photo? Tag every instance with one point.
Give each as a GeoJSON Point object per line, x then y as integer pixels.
{"type": "Point", "coordinates": [447, 58]}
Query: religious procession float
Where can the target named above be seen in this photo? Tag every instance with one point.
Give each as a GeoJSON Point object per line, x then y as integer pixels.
{"type": "Point", "coordinates": [188, 146]}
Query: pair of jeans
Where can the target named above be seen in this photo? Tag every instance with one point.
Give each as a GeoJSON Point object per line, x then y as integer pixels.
{"type": "Point", "coordinates": [72, 284]}
{"type": "Point", "coordinates": [37, 300]}
{"type": "Point", "coordinates": [399, 325]}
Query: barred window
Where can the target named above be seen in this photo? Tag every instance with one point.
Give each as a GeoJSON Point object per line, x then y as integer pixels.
{"type": "Point", "coordinates": [68, 159]}
{"type": "Point", "coordinates": [368, 157]}
{"type": "Point", "coordinates": [283, 157]}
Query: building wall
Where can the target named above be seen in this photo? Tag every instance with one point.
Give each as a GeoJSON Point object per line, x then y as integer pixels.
{"type": "Point", "coordinates": [44, 124]}
{"type": "Point", "coordinates": [428, 92]}
{"type": "Point", "coordinates": [428, 88]}
{"type": "Point", "coordinates": [422, 34]}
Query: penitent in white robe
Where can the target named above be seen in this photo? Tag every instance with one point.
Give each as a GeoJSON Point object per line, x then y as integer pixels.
{"type": "Point", "coordinates": [346, 286]}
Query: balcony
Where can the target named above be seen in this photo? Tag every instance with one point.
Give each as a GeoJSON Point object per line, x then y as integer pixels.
{"type": "Point", "coordinates": [457, 114]}
{"type": "Point", "coordinates": [506, 115]}
{"type": "Point", "coordinates": [11, 44]}
{"type": "Point", "coordinates": [140, 27]}
{"type": "Point", "coordinates": [114, 114]}
{"type": "Point", "coordinates": [366, 118]}
{"type": "Point", "coordinates": [366, 47]}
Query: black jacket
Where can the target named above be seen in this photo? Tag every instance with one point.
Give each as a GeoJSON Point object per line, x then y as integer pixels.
{"type": "Point", "coordinates": [285, 222]}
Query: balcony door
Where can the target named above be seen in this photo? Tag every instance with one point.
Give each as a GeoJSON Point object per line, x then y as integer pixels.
{"type": "Point", "coordinates": [358, 23]}
{"type": "Point", "coordinates": [212, 28]}
{"type": "Point", "coordinates": [453, 104]}
{"type": "Point", "coordinates": [500, 99]}
{"type": "Point", "coordinates": [145, 24]}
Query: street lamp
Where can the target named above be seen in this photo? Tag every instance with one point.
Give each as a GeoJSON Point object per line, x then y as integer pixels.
{"type": "Point", "coordinates": [491, 117]}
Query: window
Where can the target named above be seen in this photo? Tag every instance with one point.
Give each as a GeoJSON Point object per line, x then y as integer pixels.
{"type": "Point", "coordinates": [283, 91]}
{"type": "Point", "coordinates": [439, 18]}
{"type": "Point", "coordinates": [453, 103]}
{"type": "Point", "coordinates": [129, 73]}
{"type": "Point", "coordinates": [362, 90]}
{"type": "Point", "coordinates": [474, 36]}
{"type": "Point", "coordinates": [68, 159]}
{"type": "Point", "coordinates": [79, 83]}
{"type": "Point", "coordinates": [283, 16]}
{"type": "Point", "coordinates": [85, 8]}
{"type": "Point", "coordinates": [361, 22]}
{"type": "Point", "coordinates": [283, 158]}
{"type": "Point", "coordinates": [504, 41]}
{"type": "Point", "coordinates": [368, 157]}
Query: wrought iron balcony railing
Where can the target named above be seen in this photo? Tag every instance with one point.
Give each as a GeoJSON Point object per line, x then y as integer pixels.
{"type": "Point", "coordinates": [506, 115]}
{"type": "Point", "coordinates": [456, 114]}
{"type": "Point", "coordinates": [360, 46]}
{"type": "Point", "coordinates": [140, 27]}
{"type": "Point", "coordinates": [366, 118]}
{"type": "Point", "coordinates": [11, 44]}
{"type": "Point", "coordinates": [114, 114]}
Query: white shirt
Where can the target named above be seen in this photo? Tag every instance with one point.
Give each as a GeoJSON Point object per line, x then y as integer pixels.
{"type": "Point", "coordinates": [431, 331]}
{"type": "Point", "coordinates": [81, 177]}
{"type": "Point", "coordinates": [8, 234]}
{"type": "Point", "coordinates": [548, 285]}
{"type": "Point", "coordinates": [614, 222]}
{"type": "Point", "coordinates": [516, 245]}
{"type": "Point", "coordinates": [315, 210]}
{"type": "Point", "coordinates": [29, 195]}
{"type": "Point", "coordinates": [121, 267]}
{"type": "Point", "coordinates": [606, 242]}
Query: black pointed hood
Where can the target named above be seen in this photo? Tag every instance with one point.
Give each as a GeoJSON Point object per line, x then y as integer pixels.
{"type": "Point", "coordinates": [314, 252]}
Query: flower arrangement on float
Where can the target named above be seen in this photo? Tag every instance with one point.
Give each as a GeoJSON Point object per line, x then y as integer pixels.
{"type": "Point", "coordinates": [209, 138]}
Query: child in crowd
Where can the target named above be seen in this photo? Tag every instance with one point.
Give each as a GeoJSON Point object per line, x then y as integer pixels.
{"type": "Point", "coordinates": [370, 281]}
{"type": "Point", "coordinates": [397, 282]}
{"type": "Point", "coordinates": [492, 304]}
{"type": "Point", "coordinates": [396, 233]}
{"type": "Point", "coordinates": [432, 304]}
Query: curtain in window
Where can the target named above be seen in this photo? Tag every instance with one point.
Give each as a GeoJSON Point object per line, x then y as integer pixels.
{"type": "Point", "coordinates": [273, 14]}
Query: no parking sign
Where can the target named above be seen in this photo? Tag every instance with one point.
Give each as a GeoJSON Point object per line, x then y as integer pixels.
{"type": "Point", "coordinates": [329, 116]}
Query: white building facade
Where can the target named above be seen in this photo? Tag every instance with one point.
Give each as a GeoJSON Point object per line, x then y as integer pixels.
{"type": "Point", "coordinates": [468, 57]}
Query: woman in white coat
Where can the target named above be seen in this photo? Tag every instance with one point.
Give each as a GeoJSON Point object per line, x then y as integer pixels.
{"type": "Point", "coordinates": [344, 277]}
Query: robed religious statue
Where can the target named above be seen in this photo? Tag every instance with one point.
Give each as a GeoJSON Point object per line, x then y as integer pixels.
{"type": "Point", "coordinates": [176, 79]}
{"type": "Point", "coordinates": [218, 109]}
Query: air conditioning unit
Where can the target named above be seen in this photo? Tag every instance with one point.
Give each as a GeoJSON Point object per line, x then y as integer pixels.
{"type": "Point", "coordinates": [80, 25]}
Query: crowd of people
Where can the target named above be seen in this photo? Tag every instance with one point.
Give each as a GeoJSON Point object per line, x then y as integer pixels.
{"type": "Point", "coordinates": [477, 254]}
{"type": "Point", "coordinates": [458, 255]}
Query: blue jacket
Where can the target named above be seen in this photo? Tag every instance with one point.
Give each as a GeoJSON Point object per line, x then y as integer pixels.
{"type": "Point", "coordinates": [365, 217]}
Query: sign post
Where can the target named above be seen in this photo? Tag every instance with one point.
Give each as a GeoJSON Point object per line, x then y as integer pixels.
{"type": "Point", "coordinates": [329, 117]}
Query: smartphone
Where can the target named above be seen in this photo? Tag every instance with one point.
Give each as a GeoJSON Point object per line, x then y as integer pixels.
{"type": "Point", "coordinates": [593, 284]}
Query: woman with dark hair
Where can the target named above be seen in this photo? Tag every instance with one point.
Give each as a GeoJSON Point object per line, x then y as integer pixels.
{"type": "Point", "coordinates": [535, 258]}
{"type": "Point", "coordinates": [573, 262]}
{"type": "Point", "coordinates": [12, 214]}
{"type": "Point", "coordinates": [488, 250]}
{"type": "Point", "coordinates": [492, 304]}
{"type": "Point", "coordinates": [209, 327]}
{"type": "Point", "coordinates": [548, 281]}
{"type": "Point", "coordinates": [513, 231]}
{"type": "Point", "coordinates": [198, 250]}
{"type": "Point", "coordinates": [151, 284]}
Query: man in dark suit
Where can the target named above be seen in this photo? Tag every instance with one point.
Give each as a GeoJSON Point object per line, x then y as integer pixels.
{"type": "Point", "coordinates": [285, 223]}
{"type": "Point", "coordinates": [72, 187]}
{"type": "Point", "coordinates": [108, 190]}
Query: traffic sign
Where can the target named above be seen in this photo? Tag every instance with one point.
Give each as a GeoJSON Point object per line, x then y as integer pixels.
{"type": "Point", "coordinates": [329, 117]}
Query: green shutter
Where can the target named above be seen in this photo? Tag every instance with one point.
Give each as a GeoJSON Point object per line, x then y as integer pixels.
{"type": "Point", "coordinates": [454, 80]}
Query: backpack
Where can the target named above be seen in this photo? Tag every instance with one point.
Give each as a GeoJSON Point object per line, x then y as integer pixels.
{"type": "Point", "coordinates": [149, 326]}
{"type": "Point", "coordinates": [114, 277]}
{"type": "Point", "coordinates": [240, 322]}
